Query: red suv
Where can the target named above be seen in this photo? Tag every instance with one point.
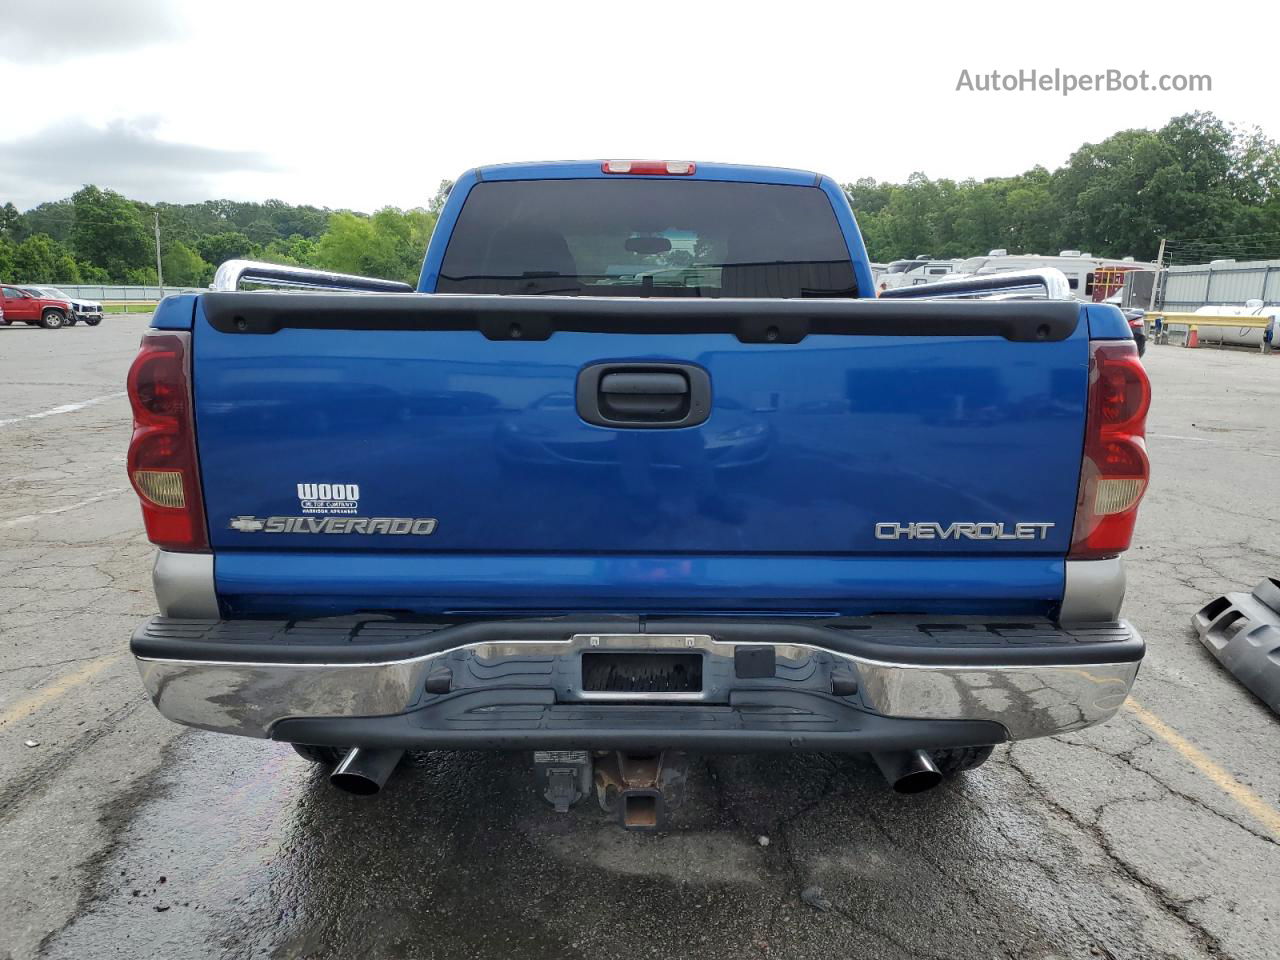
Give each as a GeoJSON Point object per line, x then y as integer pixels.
{"type": "Point", "coordinates": [20, 305]}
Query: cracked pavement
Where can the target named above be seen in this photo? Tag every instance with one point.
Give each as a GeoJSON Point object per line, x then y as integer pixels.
{"type": "Point", "coordinates": [122, 835]}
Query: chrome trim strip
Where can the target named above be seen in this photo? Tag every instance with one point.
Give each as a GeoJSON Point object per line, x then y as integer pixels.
{"type": "Point", "coordinates": [234, 272]}
{"type": "Point", "coordinates": [249, 698]}
{"type": "Point", "coordinates": [1093, 592]}
{"type": "Point", "coordinates": [184, 585]}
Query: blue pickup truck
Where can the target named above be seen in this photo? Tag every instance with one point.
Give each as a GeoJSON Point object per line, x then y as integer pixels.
{"type": "Point", "coordinates": [642, 466]}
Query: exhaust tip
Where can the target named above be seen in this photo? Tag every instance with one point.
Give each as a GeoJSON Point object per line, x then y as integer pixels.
{"type": "Point", "coordinates": [355, 783]}
{"type": "Point", "coordinates": [917, 781]}
{"type": "Point", "coordinates": [364, 772]}
{"type": "Point", "coordinates": [908, 771]}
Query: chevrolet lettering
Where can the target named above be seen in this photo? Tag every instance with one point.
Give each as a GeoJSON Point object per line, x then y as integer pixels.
{"type": "Point", "coordinates": [962, 531]}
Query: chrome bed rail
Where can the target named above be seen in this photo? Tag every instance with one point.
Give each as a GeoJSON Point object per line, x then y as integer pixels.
{"type": "Point", "coordinates": [1048, 283]}
{"type": "Point", "coordinates": [235, 272]}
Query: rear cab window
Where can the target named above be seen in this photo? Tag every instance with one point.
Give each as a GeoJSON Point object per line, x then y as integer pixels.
{"type": "Point", "coordinates": [638, 238]}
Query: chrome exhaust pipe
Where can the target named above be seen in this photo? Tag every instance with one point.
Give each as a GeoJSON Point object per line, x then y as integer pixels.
{"type": "Point", "coordinates": [363, 770]}
{"type": "Point", "coordinates": [908, 771]}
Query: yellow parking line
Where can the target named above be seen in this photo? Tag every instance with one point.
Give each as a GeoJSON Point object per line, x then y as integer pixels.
{"type": "Point", "coordinates": [45, 695]}
{"type": "Point", "coordinates": [1261, 811]}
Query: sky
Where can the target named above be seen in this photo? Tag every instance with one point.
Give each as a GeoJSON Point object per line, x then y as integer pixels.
{"type": "Point", "coordinates": [366, 104]}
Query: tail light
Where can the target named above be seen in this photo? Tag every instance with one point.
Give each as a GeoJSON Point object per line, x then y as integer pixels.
{"type": "Point", "coordinates": [652, 168]}
{"type": "Point", "coordinates": [162, 451]}
{"type": "Point", "coordinates": [1115, 470]}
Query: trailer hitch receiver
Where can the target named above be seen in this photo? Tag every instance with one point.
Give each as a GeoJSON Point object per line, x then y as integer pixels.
{"type": "Point", "coordinates": [641, 788]}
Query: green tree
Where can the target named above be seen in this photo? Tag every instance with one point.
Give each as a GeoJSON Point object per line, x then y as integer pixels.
{"type": "Point", "coordinates": [1255, 166]}
{"type": "Point", "coordinates": [297, 250]}
{"type": "Point", "coordinates": [7, 250]}
{"type": "Point", "coordinates": [261, 232]}
{"type": "Point", "coordinates": [287, 220]}
{"type": "Point", "coordinates": [909, 220]}
{"type": "Point", "coordinates": [1194, 177]}
{"type": "Point", "coordinates": [40, 259]}
{"type": "Point", "coordinates": [10, 219]}
{"type": "Point", "coordinates": [390, 244]}
{"type": "Point", "coordinates": [1031, 214]}
{"type": "Point", "coordinates": [350, 244]}
{"type": "Point", "coordinates": [1119, 196]}
{"type": "Point", "coordinates": [868, 199]}
{"type": "Point", "coordinates": [184, 267]}
{"type": "Point", "coordinates": [218, 248]}
{"type": "Point", "coordinates": [67, 270]}
{"type": "Point", "coordinates": [437, 202]}
{"type": "Point", "coordinates": [866, 196]}
{"type": "Point", "coordinates": [54, 218]}
{"type": "Point", "coordinates": [109, 231]}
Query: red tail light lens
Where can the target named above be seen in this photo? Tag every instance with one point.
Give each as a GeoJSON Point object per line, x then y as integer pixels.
{"type": "Point", "coordinates": [1115, 471]}
{"type": "Point", "coordinates": [162, 452]}
{"type": "Point", "coordinates": [650, 168]}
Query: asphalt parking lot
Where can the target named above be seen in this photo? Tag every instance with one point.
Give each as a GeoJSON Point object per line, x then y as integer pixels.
{"type": "Point", "coordinates": [122, 835]}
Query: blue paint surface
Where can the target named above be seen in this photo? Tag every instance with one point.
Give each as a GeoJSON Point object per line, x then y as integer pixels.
{"type": "Point", "coordinates": [319, 583]}
{"type": "Point", "coordinates": [1106, 322]}
{"type": "Point", "coordinates": [175, 312]}
{"type": "Point", "coordinates": [808, 446]}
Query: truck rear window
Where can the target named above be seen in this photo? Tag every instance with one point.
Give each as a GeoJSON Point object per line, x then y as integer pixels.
{"type": "Point", "coordinates": [639, 238]}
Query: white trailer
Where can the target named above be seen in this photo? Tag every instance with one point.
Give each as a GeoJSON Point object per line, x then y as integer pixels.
{"type": "Point", "coordinates": [907, 273]}
{"type": "Point", "coordinates": [1091, 278]}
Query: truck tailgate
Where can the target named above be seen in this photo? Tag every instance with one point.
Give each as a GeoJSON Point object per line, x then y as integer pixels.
{"type": "Point", "coordinates": [854, 456]}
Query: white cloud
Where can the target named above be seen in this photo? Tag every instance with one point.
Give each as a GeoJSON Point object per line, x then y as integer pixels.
{"type": "Point", "coordinates": [369, 104]}
{"type": "Point", "coordinates": [126, 156]}
{"type": "Point", "coordinates": [64, 30]}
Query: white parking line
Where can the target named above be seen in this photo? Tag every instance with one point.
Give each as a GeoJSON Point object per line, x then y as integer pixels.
{"type": "Point", "coordinates": [65, 408]}
{"type": "Point", "coordinates": [1163, 436]}
{"type": "Point", "coordinates": [32, 517]}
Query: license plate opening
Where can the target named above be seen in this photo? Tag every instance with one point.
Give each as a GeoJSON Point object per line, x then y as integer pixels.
{"type": "Point", "coordinates": [642, 673]}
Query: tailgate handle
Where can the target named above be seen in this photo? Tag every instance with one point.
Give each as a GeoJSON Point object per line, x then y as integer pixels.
{"type": "Point", "coordinates": [644, 395]}
{"type": "Point", "coordinates": [652, 383]}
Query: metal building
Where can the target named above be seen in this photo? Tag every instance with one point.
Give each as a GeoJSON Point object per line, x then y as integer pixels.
{"type": "Point", "coordinates": [1222, 282]}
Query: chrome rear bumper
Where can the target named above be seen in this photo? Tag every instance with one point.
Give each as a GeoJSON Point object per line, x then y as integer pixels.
{"type": "Point", "coordinates": [1028, 696]}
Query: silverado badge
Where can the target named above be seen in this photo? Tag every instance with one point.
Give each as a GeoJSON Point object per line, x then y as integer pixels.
{"type": "Point", "coordinates": [394, 526]}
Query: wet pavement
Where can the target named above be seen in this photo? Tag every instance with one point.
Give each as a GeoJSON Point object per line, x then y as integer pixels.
{"type": "Point", "coordinates": [122, 835]}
